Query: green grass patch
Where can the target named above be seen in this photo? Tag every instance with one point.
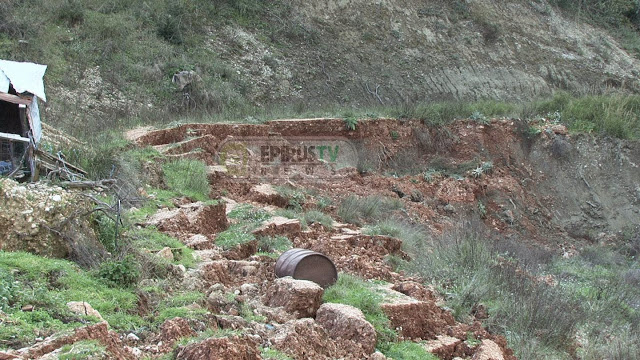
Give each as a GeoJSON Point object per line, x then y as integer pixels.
{"type": "Point", "coordinates": [273, 354]}
{"type": "Point", "coordinates": [317, 217]}
{"type": "Point", "coordinates": [274, 244]}
{"type": "Point", "coordinates": [81, 350]}
{"type": "Point", "coordinates": [235, 235]}
{"type": "Point", "coordinates": [408, 350]}
{"type": "Point", "coordinates": [187, 177]}
{"type": "Point", "coordinates": [177, 306]}
{"type": "Point", "coordinates": [48, 285]}
{"type": "Point", "coordinates": [296, 198]}
{"type": "Point", "coordinates": [153, 240]}
{"type": "Point", "coordinates": [247, 212]}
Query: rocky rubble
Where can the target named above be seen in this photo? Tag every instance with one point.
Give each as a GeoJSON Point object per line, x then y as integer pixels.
{"type": "Point", "coordinates": [47, 220]}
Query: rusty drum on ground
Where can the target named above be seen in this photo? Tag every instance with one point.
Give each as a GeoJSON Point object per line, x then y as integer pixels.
{"type": "Point", "coordinates": [303, 264]}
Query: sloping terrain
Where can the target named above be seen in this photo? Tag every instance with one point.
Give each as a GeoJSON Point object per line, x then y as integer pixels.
{"type": "Point", "coordinates": [244, 57]}
{"type": "Point", "coordinates": [553, 192]}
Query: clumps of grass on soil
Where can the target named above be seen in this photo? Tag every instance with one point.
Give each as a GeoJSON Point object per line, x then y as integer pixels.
{"type": "Point", "coordinates": [360, 210]}
{"type": "Point", "coordinates": [47, 285]}
{"type": "Point", "coordinates": [188, 178]}
{"type": "Point", "coordinates": [592, 299]}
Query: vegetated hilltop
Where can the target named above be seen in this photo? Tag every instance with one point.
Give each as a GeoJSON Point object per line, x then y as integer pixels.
{"type": "Point", "coordinates": [115, 60]}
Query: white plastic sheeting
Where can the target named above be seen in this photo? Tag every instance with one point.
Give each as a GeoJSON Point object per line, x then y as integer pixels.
{"type": "Point", "coordinates": [36, 125]}
{"type": "Point", "coordinates": [24, 76]}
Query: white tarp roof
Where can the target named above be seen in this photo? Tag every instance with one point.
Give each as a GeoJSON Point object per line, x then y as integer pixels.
{"type": "Point", "coordinates": [24, 76]}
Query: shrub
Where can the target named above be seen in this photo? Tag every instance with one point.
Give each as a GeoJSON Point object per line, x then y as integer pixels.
{"type": "Point", "coordinates": [124, 272]}
{"type": "Point", "coordinates": [469, 269]}
{"type": "Point", "coordinates": [296, 198]}
{"type": "Point", "coordinates": [247, 212]}
{"type": "Point", "coordinates": [350, 122]}
{"type": "Point", "coordinates": [358, 210]}
{"type": "Point", "coordinates": [234, 236]}
{"type": "Point", "coordinates": [107, 232]}
{"type": "Point", "coordinates": [318, 217]}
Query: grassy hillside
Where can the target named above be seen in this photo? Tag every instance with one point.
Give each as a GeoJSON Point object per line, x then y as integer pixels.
{"type": "Point", "coordinates": [111, 63]}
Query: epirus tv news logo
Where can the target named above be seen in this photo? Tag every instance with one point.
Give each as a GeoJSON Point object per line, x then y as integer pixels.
{"type": "Point", "coordinates": [279, 157]}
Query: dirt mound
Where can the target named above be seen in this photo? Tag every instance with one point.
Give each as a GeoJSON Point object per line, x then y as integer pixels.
{"type": "Point", "coordinates": [191, 219]}
{"type": "Point", "coordinates": [306, 339]}
{"type": "Point", "coordinates": [232, 348]}
{"type": "Point", "coordinates": [232, 273]}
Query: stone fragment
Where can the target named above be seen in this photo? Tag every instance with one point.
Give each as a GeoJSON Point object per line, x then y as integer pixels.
{"type": "Point", "coordinates": [199, 242]}
{"type": "Point", "coordinates": [443, 346]}
{"type": "Point", "coordinates": [347, 322]}
{"type": "Point", "coordinates": [266, 194]}
{"type": "Point", "coordinates": [488, 350]}
{"type": "Point", "coordinates": [279, 225]}
{"type": "Point", "coordinates": [299, 297]}
{"type": "Point", "coordinates": [418, 320]}
{"type": "Point", "coordinates": [306, 339]}
{"type": "Point", "coordinates": [165, 253]}
{"type": "Point", "coordinates": [83, 308]}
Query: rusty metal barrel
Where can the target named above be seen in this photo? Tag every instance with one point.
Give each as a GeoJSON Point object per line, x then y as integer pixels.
{"type": "Point", "coordinates": [303, 264]}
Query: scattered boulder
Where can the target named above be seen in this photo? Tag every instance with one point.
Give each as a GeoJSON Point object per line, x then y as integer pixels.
{"type": "Point", "coordinates": [480, 312]}
{"type": "Point", "coordinates": [228, 348]}
{"type": "Point", "coordinates": [377, 356]}
{"type": "Point", "coordinates": [237, 272]}
{"type": "Point", "coordinates": [488, 350]}
{"type": "Point", "coordinates": [416, 196]}
{"type": "Point", "coordinates": [185, 78]}
{"type": "Point", "coordinates": [559, 129]}
{"type": "Point", "coordinates": [306, 339]}
{"type": "Point", "coordinates": [266, 194]}
{"type": "Point", "coordinates": [83, 308]}
{"type": "Point", "coordinates": [199, 242]}
{"type": "Point", "coordinates": [300, 297]}
{"type": "Point", "coordinates": [7, 356]}
{"type": "Point", "coordinates": [443, 346]}
{"type": "Point", "coordinates": [241, 251]}
{"type": "Point", "coordinates": [349, 323]}
{"type": "Point", "coordinates": [190, 219]}
{"type": "Point", "coordinates": [132, 338]}
{"type": "Point", "coordinates": [165, 253]}
{"type": "Point", "coordinates": [279, 225]}
{"type": "Point", "coordinates": [418, 320]}
{"type": "Point", "coordinates": [415, 290]}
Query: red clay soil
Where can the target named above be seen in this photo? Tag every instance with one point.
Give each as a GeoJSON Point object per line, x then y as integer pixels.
{"type": "Point", "coordinates": [398, 146]}
{"type": "Point", "coordinates": [236, 348]}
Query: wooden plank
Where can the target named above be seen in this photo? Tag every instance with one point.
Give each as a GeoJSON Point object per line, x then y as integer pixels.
{"type": "Point", "coordinates": [55, 161]}
{"type": "Point", "coordinates": [14, 137]}
{"type": "Point", "coordinates": [15, 99]}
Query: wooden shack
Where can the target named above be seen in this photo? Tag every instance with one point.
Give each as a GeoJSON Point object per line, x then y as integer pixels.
{"type": "Point", "coordinates": [21, 85]}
